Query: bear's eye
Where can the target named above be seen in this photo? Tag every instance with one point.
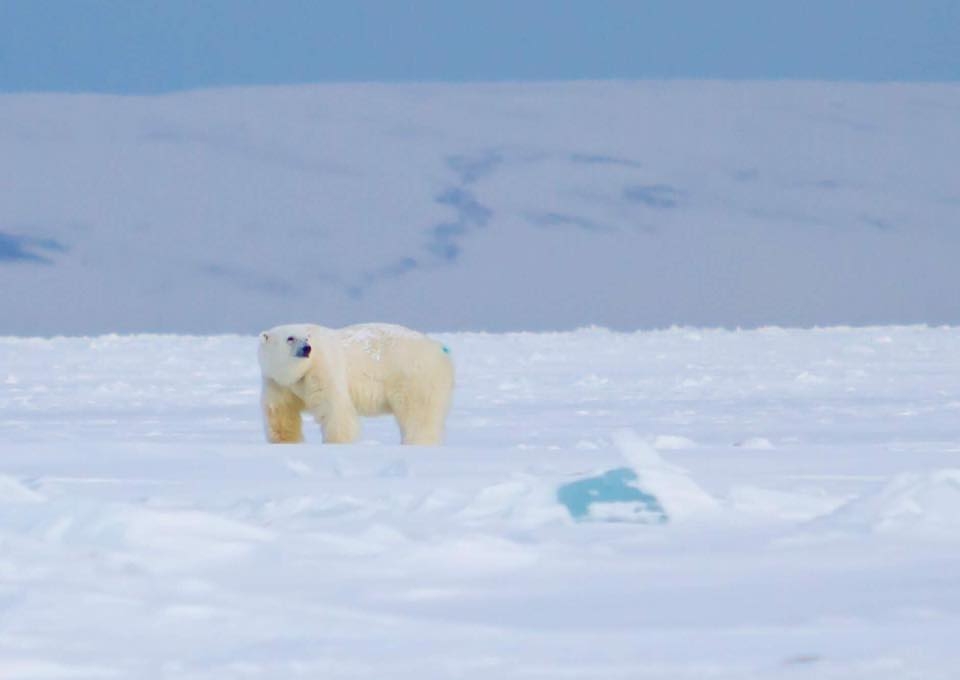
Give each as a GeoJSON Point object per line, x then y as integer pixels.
{"type": "Point", "coordinates": [290, 340]}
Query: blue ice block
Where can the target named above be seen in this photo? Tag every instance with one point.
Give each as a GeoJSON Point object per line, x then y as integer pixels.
{"type": "Point", "coordinates": [612, 487]}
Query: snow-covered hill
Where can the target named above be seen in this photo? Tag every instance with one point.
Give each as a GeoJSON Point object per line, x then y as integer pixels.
{"type": "Point", "coordinates": [480, 207]}
{"type": "Point", "coordinates": [812, 480]}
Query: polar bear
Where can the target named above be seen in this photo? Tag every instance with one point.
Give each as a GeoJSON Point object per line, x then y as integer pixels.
{"type": "Point", "coordinates": [364, 370]}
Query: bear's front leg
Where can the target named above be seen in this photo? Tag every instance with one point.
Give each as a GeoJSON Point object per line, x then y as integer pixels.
{"type": "Point", "coordinates": [281, 414]}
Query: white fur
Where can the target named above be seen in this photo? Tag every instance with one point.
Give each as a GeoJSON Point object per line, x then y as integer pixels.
{"type": "Point", "coordinates": [363, 370]}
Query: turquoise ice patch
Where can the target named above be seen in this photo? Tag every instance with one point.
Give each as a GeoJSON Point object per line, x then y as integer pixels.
{"type": "Point", "coordinates": [611, 497]}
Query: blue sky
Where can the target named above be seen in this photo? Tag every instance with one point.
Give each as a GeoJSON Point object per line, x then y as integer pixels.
{"type": "Point", "coordinates": [138, 46]}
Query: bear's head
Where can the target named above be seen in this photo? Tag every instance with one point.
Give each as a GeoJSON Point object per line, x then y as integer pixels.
{"type": "Point", "coordinates": [285, 352]}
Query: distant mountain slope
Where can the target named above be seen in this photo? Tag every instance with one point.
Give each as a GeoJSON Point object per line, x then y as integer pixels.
{"type": "Point", "coordinates": [487, 207]}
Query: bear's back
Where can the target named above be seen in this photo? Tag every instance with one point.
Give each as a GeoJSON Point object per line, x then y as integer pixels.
{"type": "Point", "coordinates": [371, 340]}
{"type": "Point", "coordinates": [381, 359]}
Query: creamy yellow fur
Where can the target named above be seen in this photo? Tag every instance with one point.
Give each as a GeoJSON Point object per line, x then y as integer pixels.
{"type": "Point", "coordinates": [364, 370]}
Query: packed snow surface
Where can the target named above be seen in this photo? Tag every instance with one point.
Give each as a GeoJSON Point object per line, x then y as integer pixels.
{"type": "Point", "coordinates": [811, 479]}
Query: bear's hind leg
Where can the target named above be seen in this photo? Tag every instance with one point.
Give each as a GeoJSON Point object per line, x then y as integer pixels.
{"type": "Point", "coordinates": [422, 435]}
{"type": "Point", "coordinates": [421, 418]}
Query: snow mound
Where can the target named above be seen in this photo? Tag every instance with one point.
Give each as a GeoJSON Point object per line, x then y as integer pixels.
{"type": "Point", "coordinates": [759, 443]}
{"type": "Point", "coordinates": [14, 491]}
{"type": "Point", "coordinates": [777, 505]}
{"type": "Point", "coordinates": [666, 442]}
{"type": "Point", "coordinates": [523, 501]}
{"type": "Point", "coordinates": [680, 496]}
{"type": "Point", "coordinates": [915, 503]}
{"type": "Point", "coordinates": [162, 540]}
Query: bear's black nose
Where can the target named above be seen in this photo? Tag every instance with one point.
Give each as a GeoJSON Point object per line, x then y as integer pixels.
{"type": "Point", "coordinates": [306, 350]}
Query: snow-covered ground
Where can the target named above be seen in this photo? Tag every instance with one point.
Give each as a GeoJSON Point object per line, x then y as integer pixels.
{"type": "Point", "coordinates": [811, 478]}
{"type": "Point", "coordinates": [481, 207]}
